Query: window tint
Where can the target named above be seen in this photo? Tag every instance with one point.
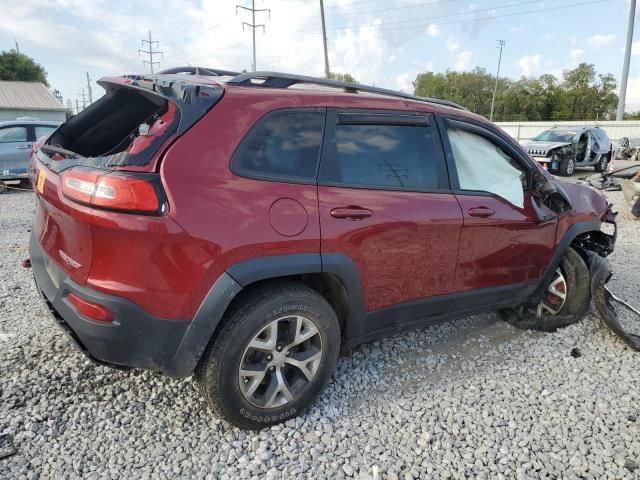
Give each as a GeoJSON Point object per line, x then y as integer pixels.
{"type": "Point", "coordinates": [283, 145]}
{"type": "Point", "coordinates": [390, 156]}
{"type": "Point", "coordinates": [483, 166]}
{"type": "Point", "coordinates": [13, 134]}
{"type": "Point", "coordinates": [43, 130]}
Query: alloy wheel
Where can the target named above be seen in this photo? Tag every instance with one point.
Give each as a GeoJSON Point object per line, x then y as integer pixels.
{"type": "Point", "coordinates": [555, 296]}
{"type": "Point", "coordinates": [280, 361]}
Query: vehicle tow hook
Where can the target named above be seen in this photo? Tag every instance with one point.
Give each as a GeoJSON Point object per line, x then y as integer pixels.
{"type": "Point", "coordinates": [607, 302]}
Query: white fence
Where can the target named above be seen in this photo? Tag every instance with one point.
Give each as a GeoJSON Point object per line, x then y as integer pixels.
{"type": "Point", "coordinates": [522, 131]}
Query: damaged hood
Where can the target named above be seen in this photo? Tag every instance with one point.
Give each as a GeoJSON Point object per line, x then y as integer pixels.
{"type": "Point", "coordinates": [542, 148]}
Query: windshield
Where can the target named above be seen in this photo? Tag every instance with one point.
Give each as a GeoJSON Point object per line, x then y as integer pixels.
{"type": "Point", "coordinates": [554, 136]}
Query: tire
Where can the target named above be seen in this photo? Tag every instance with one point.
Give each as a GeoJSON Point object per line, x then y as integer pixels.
{"type": "Point", "coordinates": [251, 317]}
{"type": "Point", "coordinates": [602, 164]}
{"type": "Point", "coordinates": [567, 167]}
{"type": "Point", "coordinates": [578, 297]}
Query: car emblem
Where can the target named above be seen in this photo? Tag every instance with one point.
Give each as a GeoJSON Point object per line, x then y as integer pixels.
{"type": "Point", "coordinates": [68, 260]}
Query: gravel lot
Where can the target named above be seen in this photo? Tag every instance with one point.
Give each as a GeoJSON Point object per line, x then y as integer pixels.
{"type": "Point", "coordinates": [474, 398]}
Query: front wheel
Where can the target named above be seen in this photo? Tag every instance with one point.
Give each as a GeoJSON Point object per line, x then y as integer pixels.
{"type": "Point", "coordinates": [276, 351]}
{"type": "Point", "coordinates": [602, 164]}
{"type": "Point", "coordinates": [567, 166]}
{"type": "Point", "coordinates": [564, 302]}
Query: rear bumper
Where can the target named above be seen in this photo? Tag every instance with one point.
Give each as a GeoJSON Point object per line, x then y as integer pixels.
{"type": "Point", "coordinates": [135, 339]}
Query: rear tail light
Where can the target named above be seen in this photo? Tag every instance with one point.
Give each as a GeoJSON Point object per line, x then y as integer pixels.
{"type": "Point", "coordinates": [91, 310]}
{"type": "Point", "coordinates": [127, 192]}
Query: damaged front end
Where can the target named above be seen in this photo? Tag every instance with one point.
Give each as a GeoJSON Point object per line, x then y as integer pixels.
{"type": "Point", "coordinates": [609, 306]}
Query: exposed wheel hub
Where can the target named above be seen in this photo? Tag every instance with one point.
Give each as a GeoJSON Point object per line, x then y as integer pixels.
{"type": "Point", "coordinates": [280, 361]}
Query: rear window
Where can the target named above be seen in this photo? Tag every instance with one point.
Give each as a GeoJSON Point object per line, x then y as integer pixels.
{"type": "Point", "coordinates": [282, 146]}
{"type": "Point", "coordinates": [124, 127]}
{"type": "Point", "coordinates": [386, 156]}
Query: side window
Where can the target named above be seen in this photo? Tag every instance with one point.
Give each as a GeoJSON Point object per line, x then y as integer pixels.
{"type": "Point", "coordinates": [483, 166]}
{"type": "Point", "coordinates": [392, 156]}
{"type": "Point", "coordinates": [13, 134]}
{"type": "Point", "coordinates": [43, 130]}
{"type": "Point", "coordinates": [283, 145]}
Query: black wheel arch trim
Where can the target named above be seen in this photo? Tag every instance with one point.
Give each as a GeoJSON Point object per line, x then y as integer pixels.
{"type": "Point", "coordinates": [243, 274]}
{"type": "Point", "coordinates": [569, 236]}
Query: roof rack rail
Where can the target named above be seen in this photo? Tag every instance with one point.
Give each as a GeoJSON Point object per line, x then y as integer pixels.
{"type": "Point", "coordinates": [285, 80]}
{"type": "Point", "coordinates": [207, 72]}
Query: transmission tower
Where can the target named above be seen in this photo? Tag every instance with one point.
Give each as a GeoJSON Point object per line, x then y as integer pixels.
{"type": "Point", "coordinates": [151, 52]}
{"type": "Point", "coordinates": [253, 26]}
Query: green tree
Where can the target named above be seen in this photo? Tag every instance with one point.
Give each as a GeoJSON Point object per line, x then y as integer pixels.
{"type": "Point", "coordinates": [343, 77]}
{"type": "Point", "coordinates": [582, 94]}
{"type": "Point", "coordinates": [17, 66]}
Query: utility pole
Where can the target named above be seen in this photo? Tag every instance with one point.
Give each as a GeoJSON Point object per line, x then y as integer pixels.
{"type": "Point", "coordinates": [627, 59]}
{"type": "Point", "coordinates": [84, 99]}
{"type": "Point", "coordinates": [77, 107]}
{"type": "Point", "coordinates": [324, 41]}
{"type": "Point", "coordinates": [17, 46]}
{"type": "Point", "coordinates": [89, 88]}
{"type": "Point", "coordinates": [501, 44]}
{"type": "Point", "coordinates": [253, 26]}
{"type": "Point", "coordinates": [150, 52]}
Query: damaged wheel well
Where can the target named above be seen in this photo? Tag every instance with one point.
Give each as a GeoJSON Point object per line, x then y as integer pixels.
{"type": "Point", "coordinates": [594, 241]}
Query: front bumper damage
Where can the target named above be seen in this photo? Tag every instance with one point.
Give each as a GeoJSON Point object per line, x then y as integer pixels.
{"type": "Point", "coordinates": [607, 303]}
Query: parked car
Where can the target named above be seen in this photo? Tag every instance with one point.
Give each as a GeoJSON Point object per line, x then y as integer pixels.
{"type": "Point", "coordinates": [16, 138]}
{"type": "Point", "coordinates": [562, 149]}
{"type": "Point", "coordinates": [245, 232]}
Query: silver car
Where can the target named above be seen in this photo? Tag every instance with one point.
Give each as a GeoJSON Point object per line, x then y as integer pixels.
{"type": "Point", "coordinates": [16, 138]}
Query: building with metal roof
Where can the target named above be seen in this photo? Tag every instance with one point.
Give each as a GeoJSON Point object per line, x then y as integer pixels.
{"type": "Point", "coordinates": [29, 99]}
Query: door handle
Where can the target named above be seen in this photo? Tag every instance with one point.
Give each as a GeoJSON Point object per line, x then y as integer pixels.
{"type": "Point", "coordinates": [482, 212]}
{"type": "Point", "coordinates": [23, 147]}
{"type": "Point", "coordinates": [351, 212]}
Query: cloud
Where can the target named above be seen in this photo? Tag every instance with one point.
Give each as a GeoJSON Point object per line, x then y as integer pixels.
{"type": "Point", "coordinates": [635, 48]}
{"type": "Point", "coordinates": [463, 60]}
{"type": "Point", "coordinates": [549, 36]}
{"type": "Point", "coordinates": [516, 29]}
{"type": "Point", "coordinates": [404, 83]}
{"type": "Point", "coordinates": [528, 64]}
{"type": "Point", "coordinates": [452, 45]}
{"type": "Point", "coordinates": [577, 55]}
{"type": "Point", "coordinates": [600, 40]}
{"type": "Point", "coordinates": [433, 30]}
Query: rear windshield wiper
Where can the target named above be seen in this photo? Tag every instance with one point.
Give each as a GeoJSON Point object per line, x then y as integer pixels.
{"type": "Point", "coordinates": [62, 151]}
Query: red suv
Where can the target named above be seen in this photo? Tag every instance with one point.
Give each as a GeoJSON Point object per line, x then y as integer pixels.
{"type": "Point", "coordinates": [246, 228]}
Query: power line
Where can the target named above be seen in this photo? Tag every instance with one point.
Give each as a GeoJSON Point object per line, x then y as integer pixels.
{"type": "Point", "coordinates": [253, 26]}
{"type": "Point", "coordinates": [377, 26]}
{"type": "Point", "coordinates": [150, 52]}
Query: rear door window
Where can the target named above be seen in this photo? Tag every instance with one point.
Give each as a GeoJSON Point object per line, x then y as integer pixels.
{"type": "Point", "coordinates": [284, 145]}
{"type": "Point", "coordinates": [43, 130]}
{"type": "Point", "coordinates": [13, 134]}
{"type": "Point", "coordinates": [393, 153]}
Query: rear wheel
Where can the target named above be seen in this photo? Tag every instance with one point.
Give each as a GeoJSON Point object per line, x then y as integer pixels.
{"type": "Point", "coordinates": [602, 164]}
{"type": "Point", "coordinates": [564, 302]}
{"type": "Point", "coordinates": [567, 166]}
{"type": "Point", "coordinates": [273, 356]}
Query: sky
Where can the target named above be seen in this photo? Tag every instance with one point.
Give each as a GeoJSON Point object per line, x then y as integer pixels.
{"type": "Point", "coordinates": [381, 42]}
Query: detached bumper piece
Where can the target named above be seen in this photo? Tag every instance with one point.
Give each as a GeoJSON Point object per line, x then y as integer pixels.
{"type": "Point", "coordinates": [607, 304]}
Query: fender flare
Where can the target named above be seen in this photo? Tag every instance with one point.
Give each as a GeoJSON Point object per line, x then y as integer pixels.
{"type": "Point", "coordinates": [569, 236]}
{"type": "Point", "coordinates": [243, 274]}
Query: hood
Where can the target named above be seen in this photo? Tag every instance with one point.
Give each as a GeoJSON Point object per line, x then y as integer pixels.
{"type": "Point", "coordinates": [542, 148]}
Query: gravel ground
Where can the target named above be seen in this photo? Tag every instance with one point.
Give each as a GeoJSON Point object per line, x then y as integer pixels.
{"type": "Point", "coordinates": [474, 398]}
